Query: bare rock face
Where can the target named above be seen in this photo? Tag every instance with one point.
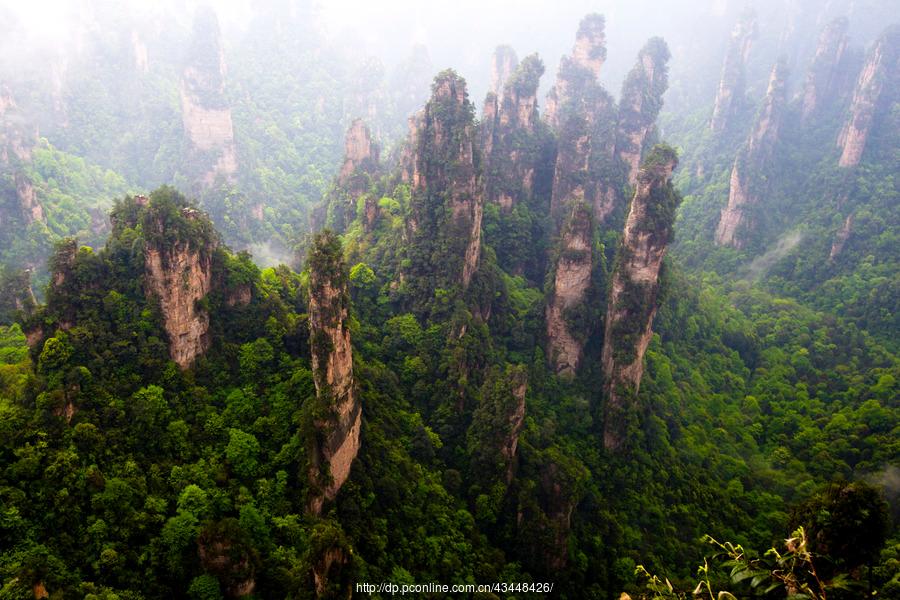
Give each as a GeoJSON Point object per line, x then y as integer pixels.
{"type": "Point", "coordinates": [139, 52]}
{"type": "Point", "coordinates": [747, 184]}
{"type": "Point", "coordinates": [881, 66]}
{"type": "Point", "coordinates": [205, 113]}
{"type": "Point", "coordinates": [337, 440]}
{"type": "Point", "coordinates": [731, 82]}
{"type": "Point", "coordinates": [632, 300]}
{"type": "Point", "coordinates": [360, 152]}
{"type": "Point", "coordinates": [641, 102]}
{"type": "Point", "coordinates": [565, 342]}
{"type": "Point", "coordinates": [510, 146]}
{"type": "Point", "coordinates": [841, 237]}
{"type": "Point", "coordinates": [224, 552]}
{"type": "Point", "coordinates": [360, 166]}
{"type": "Point", "coordinates": [588, 56]}
{"type": "Point", "coordinates": [441, 163]}
{"type": "Point", "coordinates": [180, 275]}
{"type": "Point", "coordinates": [822, 75]}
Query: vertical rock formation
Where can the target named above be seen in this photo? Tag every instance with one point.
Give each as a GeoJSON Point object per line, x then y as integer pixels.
{"type": "Point", "coordinates": [589, 54]}
{"type": "Point", "coordinates": [748, 175]}
{"type": "Point", "coordinates": [585, 181]}
{"type": "Point", "coordinates": [640, 104]}
{"type": "Point", "coordinates": [503, 66]}
{"type": "Point", "coordinates": [17, 139]}
{"type": "Point", "coordinates": [441, 163]}
{"type": "Point", "coordinates": [731, 83]}
{"type": "Point", "coordinates": [510, 146]}
{"type": "Point", "coordinates": [822, 74]}
{"type": "Point", "coordinates": [139, 52]}
{"type": "Point", "coordinates": [632, 300]}
{"type": "Point", "coordinates": [881, 66]}
{"type": "Point", "coordinates": [179, 275]}
{"type": "Point", "coordinates": [338, 414]}
{"type": "Point", "coordinates": [205, 113]}
{"type": "Point", "coordinates": [360, 166]}
{"type": "Point", "coordinates": [566, 327]}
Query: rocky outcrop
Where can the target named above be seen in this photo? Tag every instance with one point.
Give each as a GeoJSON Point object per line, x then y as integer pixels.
{"type": "Point", "coordinates": [205, 113]}
{"type": "Point", "coordinates": [748, 175]}
{"type": "Point", "coordinates": [497, 423]}
{"type": "Point", "coordinates": [632, 302]}
{"type": "Point", "coordinates": [441, 163]}
{"type": "Point", "coordinates": [566, 330]}
{"type": "Point", "coordinates": [823, 72]}
{"type": "Point", "coordinates": [840, 238]}
{"type": "Point", "coordinates": [588, 55]}
{"type": "Point", "coordinates": [881, 67]}
{"type": "Point", "coordinates": [179, 275]}
{"type": "Point", "coordinates": [730, 92]}
{"type": "Point", "coordinates": [511, 145]}
{"type": "Point", "coordinates": [338, 416]}
{"type": "Point", "coordinates": [640, 104]}
{"type": "Point", "coordinates": [225, 554]}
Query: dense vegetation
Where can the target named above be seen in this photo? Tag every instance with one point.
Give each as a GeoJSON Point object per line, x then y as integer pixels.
{"type": "Point", "coordinates": [768, 408]}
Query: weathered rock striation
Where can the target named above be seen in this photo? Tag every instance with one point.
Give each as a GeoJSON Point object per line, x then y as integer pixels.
{"type": "Point", "coordinates": [205, 113]}
{"type": "Point", "coordinates": [632, 302]}
{"type": "Point", "coordinates": [589, 54]}
{"type": "Point", "coordinates": [640, 103]}
{"type": "Point", "coordinates": [748, 175]}
{"type": "Point", "coordinates": [731, 83]}
{"type": "Point", "coordinates": [338, 417]}
{"type": "Point", "coordinates": [880, 72]}
{"type": "Point", "coordinates": [565, 331]}
{"type": "Point", "coordinates": [823, 71]}
{"type": "Point", "coordinates": [441, 162]}
{"type": "Point", "coordinates": [510, 141]}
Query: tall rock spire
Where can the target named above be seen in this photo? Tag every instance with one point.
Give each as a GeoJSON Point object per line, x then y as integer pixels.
{"type": "Point", "coordinates": [822, 74]}
{"type": "Point", "coordinates": [634, 292]}
{"type": "Point", "coordinates": [205, 113]}
{"type": "Point", "coordinates": [731, 83]}
{"type": "Point", "coordinates": [338, 414]}
{"type": "Point", "coordinates": [441, 163]}
{"type": "Point", "coordinates": [588, 56]}
{"type": "Point", "coordinates": [882, 66]}
{"type": "Point", "coordinates": [641, 102]}
{"type": "Point", "coordinates": [748, 175]}
{"type": "Point", "coordinates": [510, 146]}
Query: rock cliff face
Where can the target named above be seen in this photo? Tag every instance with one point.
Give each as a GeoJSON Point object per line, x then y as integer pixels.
{"type": "Point", "coordinates": [565, 340]}
{"type": "Point", "coordinates": [841, 237]}
{"type": "Point", "coordinates": [205, 113]}
{"type": "Point", "coordinates": [442, 164]}
{"type": "Point", "coordinates": [139, 52]}
{"type": "Point", "coordinates": [510, 146]}
{"type": "Point", "coordinates": [339, 415]}
{"type": "Point", "coordinates": [179, 275]}
{"type": "Point", "coordinates": [747, 184]}
{"type": "Point", "coordinates": [823, 72]}
{"type": "Point", "coordinates": [588, 54]}
{"type": "Point", "coordinates": [632, 300]}
{"type": "Point", "coordinates": [640, 103]}
{"type": "Point", "coordinates": [881, 67]}
{"type": "Point", "coordinates": [731, 83]}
